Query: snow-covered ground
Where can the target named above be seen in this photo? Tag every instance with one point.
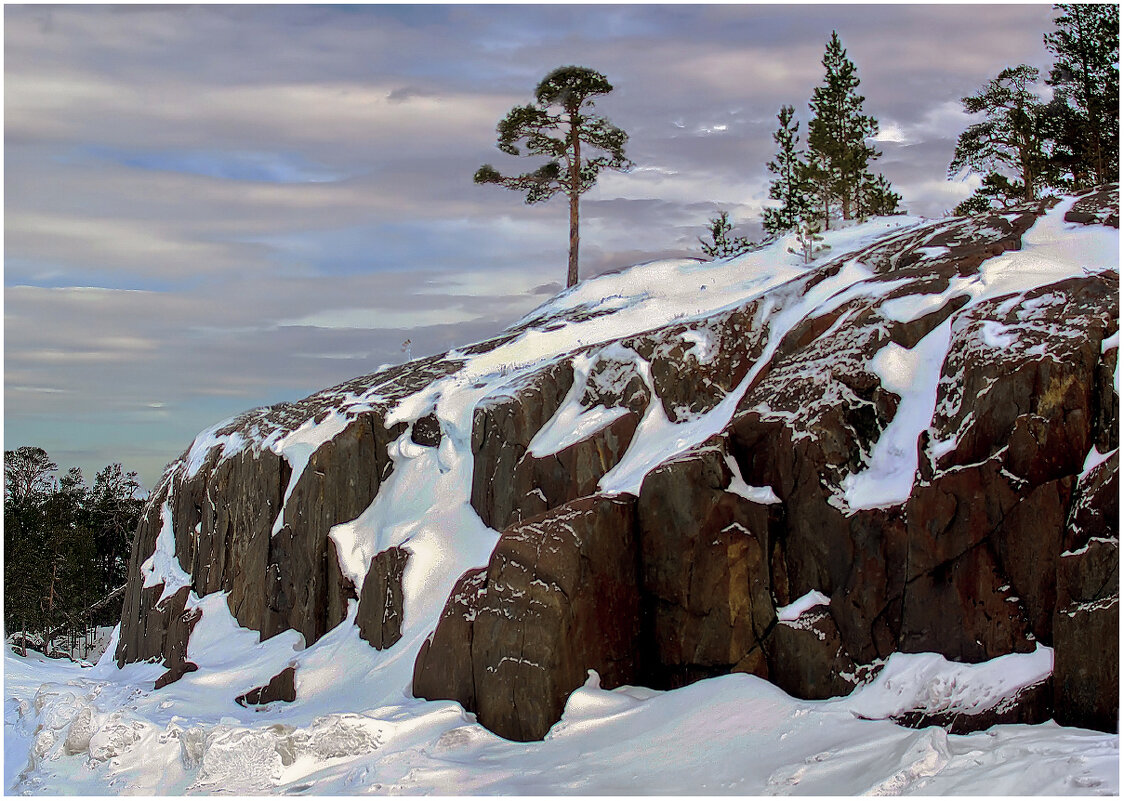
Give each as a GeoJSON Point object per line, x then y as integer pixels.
{"type": "Point", "coordinates": [73, 731]}
{"type": "Point", "coordinates": [355, 726]}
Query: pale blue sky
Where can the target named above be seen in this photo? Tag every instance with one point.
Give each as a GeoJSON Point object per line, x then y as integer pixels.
{"type": "Point", "coordinates": [200, 200]}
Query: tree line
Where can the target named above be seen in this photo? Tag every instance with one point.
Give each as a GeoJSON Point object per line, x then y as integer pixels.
{"type": "Point", "coordinates": [1023, 147]}
{"type": "Point", "coordinates": [1026, 146]}
{"type": "Point", "coordinates": [66, 547]}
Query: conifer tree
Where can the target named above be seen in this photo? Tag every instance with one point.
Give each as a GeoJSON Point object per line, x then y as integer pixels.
{"type": "Point", "coordinates": [722, 245]}
{"type": "Point", "coordinates": [558, 125]}
{"type": "Point", "coordinates": [837, 134]}
{"type": "Point", "coordinates": [65, 545]}
{"type": "Point", "coordinates": [1086, 82]}
{"type": "Point", "coordinates": [876, 198]}
{"type": "Point", "coordinates": [809, 243]}
{"type": "Point", "coordinates": [791, 185]}
{"type": "Point", "coordinates": [1012, 139]}
{"type": "Point", "coordinates": [996, 191]}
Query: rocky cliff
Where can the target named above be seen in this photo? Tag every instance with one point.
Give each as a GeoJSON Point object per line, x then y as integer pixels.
{"type": "Point", "coordinates": [691, 469]}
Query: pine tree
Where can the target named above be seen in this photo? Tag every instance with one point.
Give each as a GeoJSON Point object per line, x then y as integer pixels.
{"type": "Point", "coordinates": [1086, 82]}
{"type": "Point", "coordinates": [877, 198]}
{"type": "Point", "coordinates": [791, 185]}
{"type": "Point", "coordinates": [66, 546]}
{"type": "Point", "coordinates": [722, 245]}
{"type": "Point", "coordinates": [996, 191]}
{"type": "Point", "coordinates": [837, 134]}
{"type": "Point", "coordinates": [808, 240]}
{"type": "Point", "coordinates": [557, 125]}
{"type": "Point", "coordinates": [112, 512]}
{"type": "Point", "coordinates": [1012, 139]}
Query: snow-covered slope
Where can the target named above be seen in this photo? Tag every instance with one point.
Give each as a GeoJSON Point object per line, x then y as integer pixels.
{"type": "Point", "coordinates": [75, 732]}
{"type": "Point", "coordinates": [333, 536]}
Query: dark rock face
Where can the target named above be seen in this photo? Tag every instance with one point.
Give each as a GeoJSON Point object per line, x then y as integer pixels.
{"type": "Point", "coordinates": [380, 603]}
{"type": "Point", "coordinates": [426, 431]}
{"type": "Point", "coordinates": [705, 569]}
{"type": "Point", "coordinates": [501, 431]}
{"type": "Point", "coordinates": [528, 626]}
{"type": "Point", "coordinates": [281, 687]}
{"type": "Point", "coordinates": [444, 667]}
{"type": "Point", "coordinates": [693, 369]}
{"type": "Point", "coordinates": [224, 512]}
{"type": "Point", "coordinates": [806, 657]}
{"type": "Point", "coordinates": [970, 565]}
{"type": "Point", "coordinates": [177, 631]}
{"type": "Point", "coordinates": [1086, 634]}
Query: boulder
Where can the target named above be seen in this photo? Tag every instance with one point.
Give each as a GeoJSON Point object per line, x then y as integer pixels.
{"type": "Point", "coordinates": [559, 597]}
{"type": "Point", "coordinates": [380, 603]}
{"type": "Point", "coordinates": [281, 687]}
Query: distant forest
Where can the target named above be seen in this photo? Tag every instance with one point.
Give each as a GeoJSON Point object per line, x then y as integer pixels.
{"type": "Point", "coordinates": [66, 549]}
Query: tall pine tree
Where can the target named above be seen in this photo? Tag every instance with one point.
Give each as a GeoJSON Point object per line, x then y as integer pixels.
{"type": "Point", "coordinates": [791, 185]}
{"type": "Point", "coordinates": [557, 126]}
{"type": "Point", "coordinates": [1086, 82]}
{"type": "Point", "coordinates": [1012, 140]}
{"type": "Point", "coordinates": [838, 153]}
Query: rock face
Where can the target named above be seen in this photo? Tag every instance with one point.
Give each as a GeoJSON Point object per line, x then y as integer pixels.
{"type": "Point", "coordinates": [532, 632]}
{"type": "Point", "coordinates": [380, 604]}
{"type": "Point", "coordinates": [969, 564]}
{"type": "Point", "coordinates": [922, 431]}
{"type": "Point", "coordinates": [241, 528]}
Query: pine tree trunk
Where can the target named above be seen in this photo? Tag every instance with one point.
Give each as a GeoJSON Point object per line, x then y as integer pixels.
{"type": "Point", "coordinates": [575, 193]}
{"type": "Point", "coordinates": [572, 272]}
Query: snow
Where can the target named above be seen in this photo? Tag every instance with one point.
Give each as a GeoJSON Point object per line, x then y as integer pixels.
{"type": "Point", "coordinates": [912, 374]}
{"type": "Point", "coordinates": [573, 422]}
{"type": "Point", "coordinates": [908, 308]}
{"type": "Point", "coordinates": [1094, 459]}
{"type": "Point", "coordinates": [933, 684]}
{"type": "Point", "coordinates": [761, 495]}
{"type": "Point", "coordinates": [356, 728]}
{"type": "Point", "coordinates": [703, 348]}
{"type": "Point", "coordinates": [207, 441]}
{"type": "Point", "coordinates": [809, 600]}
{"type": "Point", "coordinates": [70, 731]}
{"type": "Point", "coordinates": [163, 567]}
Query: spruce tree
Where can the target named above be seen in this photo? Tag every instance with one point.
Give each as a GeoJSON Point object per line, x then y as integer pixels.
{"type": "Point", "coordinates": [558, 125]}
{"type": "Point", "coordinates": [791, 185]}
{"type": "Point", "coordinates": [1012, 139]}
{"type": "Point", "coordinates": [1086, 82]}
{"type": "Point", "coordinates": [837, 134]}
{"type": "Point", "coordinates": [722, 244]}
{"type": "Point", "coordinates": [877, 198]}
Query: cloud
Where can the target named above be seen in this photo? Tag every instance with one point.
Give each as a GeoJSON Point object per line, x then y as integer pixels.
{"type": "Point", "coordinates": [287, 190]}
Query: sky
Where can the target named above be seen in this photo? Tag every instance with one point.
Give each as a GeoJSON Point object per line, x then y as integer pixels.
{"type": "Point", "coordinates": [213, 208]}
